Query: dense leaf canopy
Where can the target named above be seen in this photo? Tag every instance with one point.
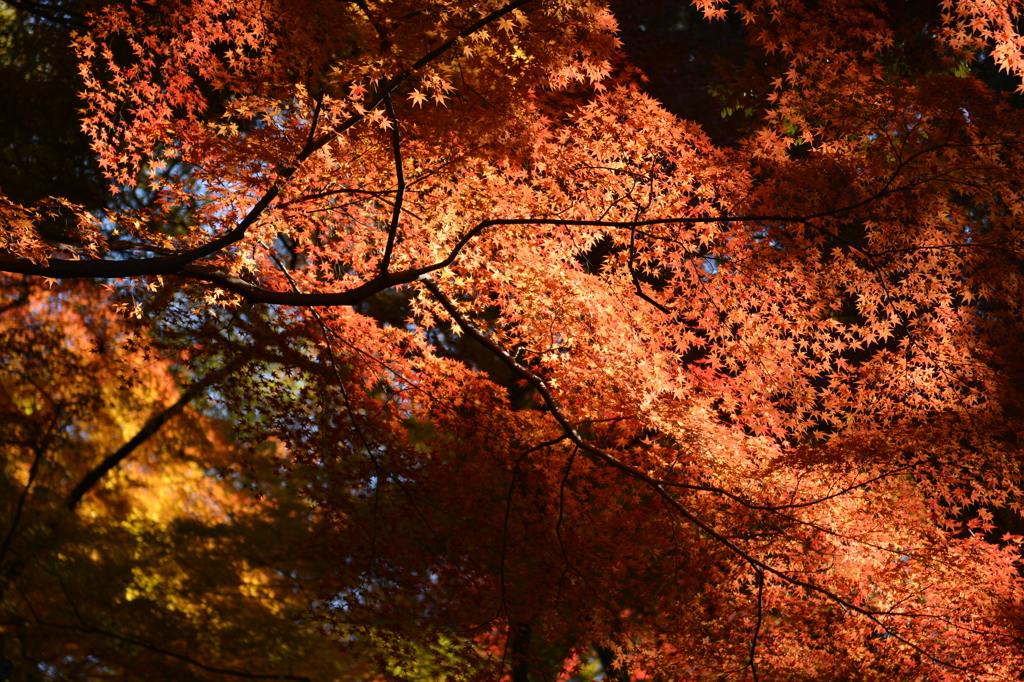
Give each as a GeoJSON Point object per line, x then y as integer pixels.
{"type": "Point", "coordinates": [425, 339]}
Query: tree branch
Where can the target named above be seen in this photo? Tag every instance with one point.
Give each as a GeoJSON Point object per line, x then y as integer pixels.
{"type": "Point", "coordinates": [183, 265]}
{"type": "Point", "coordinates": [759, 575]}
{"type": "Point", "coordinates": [144, 434]}
{"type": "Point", "coordinates": [389, 86]}
{"type": "Point", "coordinates": [85, 627]}
{"type": "Point", "coordinates": [33, 472]}
{"type": "Point", "coordinates": [396, 213]}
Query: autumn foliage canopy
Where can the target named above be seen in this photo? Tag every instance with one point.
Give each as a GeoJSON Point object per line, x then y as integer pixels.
{"type": "Point", "coordinates": [418, 341]}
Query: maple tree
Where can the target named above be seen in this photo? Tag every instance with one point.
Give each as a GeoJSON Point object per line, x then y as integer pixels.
{"type": "Point", "coordinates": [122, 556]}
{"type": "Point", "coordinates": [523, 368]}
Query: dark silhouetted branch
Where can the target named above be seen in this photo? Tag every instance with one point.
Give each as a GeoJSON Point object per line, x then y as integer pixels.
{"type": "Point", "coordinates": [144, 434]}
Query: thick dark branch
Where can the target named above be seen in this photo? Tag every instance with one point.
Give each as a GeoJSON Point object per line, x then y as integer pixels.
{"type": "Point", "coordinates": [144, 434]}
{"type": "Point", "coordinates": [143, 267]}
{"type": "Point", "coordinates": [177, 264]}
{"type": "Point", "coordinates": [182, 265]}
{"type": "Point", "coordinates": [172, 266]}
{"type": "Point", "coordinates": [396, 214]}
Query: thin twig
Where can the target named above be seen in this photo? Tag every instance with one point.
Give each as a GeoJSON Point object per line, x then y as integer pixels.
{"type": "Point", "coordinates": [231, 672]}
